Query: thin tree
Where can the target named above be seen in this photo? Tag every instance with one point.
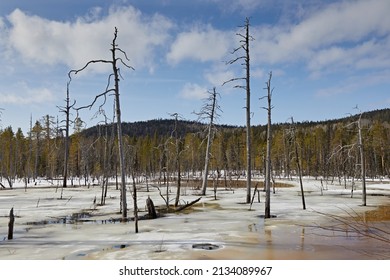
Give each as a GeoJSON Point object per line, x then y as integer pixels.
{"type": "Point", "coordinates": [362, 160]}
{"type": "Point", "coordinates": [178, 151]}
{"type": "Point", "coordinates": [66, 110]}
{"type": "Point", "coordinates": [244, 41]}
{"type": "Point", "coordinates": [210, 111]}
{"type": "Point", "coordinates": [360, 147]}
{"type": "Point", "coordinates": [298, 162]}
{"type": "Point", "coordinates": [115, 90]}
{"type": "Point", "coordinates": [268, 153]}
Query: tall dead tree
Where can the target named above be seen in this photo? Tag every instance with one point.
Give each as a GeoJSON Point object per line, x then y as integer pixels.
{"type": "Point", "coordinates": [115, 91]}
{"type": "Point", "coordinates": [298, 163]}
{"type": "Point", "coordinates": [360, 147]}
{"type": "Point", "coordinates": [209, 111]}
{"type": "Point", "coordinates": [66, 110]}
{"type": "Point", "coordinates": [178, 151]}
{"type": "Point", "coordinates": [244, 45]}
{"type": "Point", "coordinates": [269, 108]}
{"type": "Point", "coordinates": [362, 160]}
{"type": "Point", "coordinates": [11, 224]}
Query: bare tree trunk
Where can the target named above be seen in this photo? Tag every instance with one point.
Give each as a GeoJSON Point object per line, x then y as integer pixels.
{"type": "Point", "coordinates": [177, 144]}
{"type": "Point", "coordinates": [151, 209]}
{"type": "Point", "coordinates": [66, 110]}
{"type": "Point", "coordinates": [246, 57]}
{"type": "Point", "coordinates": [135, 205]}
{"type": "Point", "coordinates": [362, 163]}
{"type": "Point", "coordinates": [115, 90]}
{"type": "Point", "coordinates": [267, 213]}
{"type": "Point", "coordinates": [248, 118]}
{"type": "Point", "coordinates": [11, 224]}
{"type": "Point", "coordinates": [297, 160]}
{"type": "Point", "coordinates": [210, 112]}
{"type": "Point", "coordinates": [119, 128]}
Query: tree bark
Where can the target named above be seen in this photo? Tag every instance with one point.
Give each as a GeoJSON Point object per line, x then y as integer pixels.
{"type": "Point", "coordinates": [119, 129]}
{"type": "Point", "coordinates": [135, 205]}
{"type": "Point", "coordinates": [248, 117]}
{"type": "Point", "coordinates": [209, 140]}
{"type": "Point", "coordinates": [362, 163]}
{"type": "Point", "coordinates": [11, 224]}
{"type": "Point", "coordinates": [298, 162]}
{"type": "Point", "coordinates": [267, 213]}
{"type": "Point", "coordinates": [151, 209]}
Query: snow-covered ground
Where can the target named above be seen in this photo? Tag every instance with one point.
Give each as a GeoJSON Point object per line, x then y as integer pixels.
{"type": "Point", "coordinates": [45, 228]}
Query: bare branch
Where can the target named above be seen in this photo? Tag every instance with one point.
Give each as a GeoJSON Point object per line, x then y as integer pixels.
{"type": "Point", "coordinates": [235, 60]}
{"type": "Point", "coordinates": [232, 80]}
{"type": "Point", "coordinates": [124, 63]}
{"type": "Point", "coordinates": [86, 65]}
{"type": "Point", "coordinates": [95, 99]}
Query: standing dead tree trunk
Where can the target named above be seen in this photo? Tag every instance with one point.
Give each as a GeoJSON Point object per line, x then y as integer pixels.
{"type": "Point", "coordinates": [269, 108]}
{"type": "Point", "coordinates": [359, 145]}
{"type": "Point", "coordinates": [11, 224]}
{"type": "Point", "coordinates": [362, 161]}
{"type": "Point", "coordinates": [151, 208]}
{"type": "Point", "coordinates": [115, 91]}
{"type": "Point", "coordinates": [244, 41]}
{"type": "Point", "coordinates": [210, 111]}
{"type": "Point", "coordinates": [298, 163]}
{"type": "Point", "coordinates": [135, 203]}
{"type": "Point", "coordinates": [66, 110]}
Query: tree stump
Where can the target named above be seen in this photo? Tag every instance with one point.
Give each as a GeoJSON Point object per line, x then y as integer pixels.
{"type": "Point", "coordinates": [151, 209]}
{"type": "Point", "coordinates": [11, 224]}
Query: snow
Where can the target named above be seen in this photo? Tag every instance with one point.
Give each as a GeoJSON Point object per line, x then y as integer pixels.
{"type": "Point", "coordinates": [44, 229]}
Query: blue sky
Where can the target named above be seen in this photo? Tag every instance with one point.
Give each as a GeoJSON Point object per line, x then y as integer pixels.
{"type": "Point", "coordinates": [326, 57]}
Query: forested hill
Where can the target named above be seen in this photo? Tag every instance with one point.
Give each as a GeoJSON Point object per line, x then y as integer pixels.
{"type": "Point", "coordinates": [165, 127]}
{"type": "Point", "coordinates": [382, 115]}
{"type": "Point", "coordinates": [158, 127]}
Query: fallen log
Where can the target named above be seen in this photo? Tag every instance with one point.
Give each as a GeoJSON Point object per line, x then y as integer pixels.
{"type": "Point", "coordinates": [187, 205]}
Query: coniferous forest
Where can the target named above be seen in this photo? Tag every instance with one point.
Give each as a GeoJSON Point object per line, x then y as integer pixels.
{"type": "Point", "coordinates": [327, 149]}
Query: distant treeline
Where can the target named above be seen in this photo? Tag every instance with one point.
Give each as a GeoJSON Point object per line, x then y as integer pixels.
{"type": "Point", "coordinates": [327, 149]}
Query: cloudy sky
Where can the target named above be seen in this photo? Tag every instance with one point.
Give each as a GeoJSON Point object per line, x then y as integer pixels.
{"type": "Point", "coordinates": [326, 57]}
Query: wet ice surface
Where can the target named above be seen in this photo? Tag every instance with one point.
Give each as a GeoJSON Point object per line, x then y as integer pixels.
{"type": "Point", "coordinates": [47, 227]}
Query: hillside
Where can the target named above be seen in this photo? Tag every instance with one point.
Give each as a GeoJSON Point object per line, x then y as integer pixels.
{"type": "Point", "coordinates": [164, 127]}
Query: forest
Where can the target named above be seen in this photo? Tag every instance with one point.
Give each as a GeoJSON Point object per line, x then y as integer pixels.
{"type": "Point", "coordinates": [327, 150]}
{"type": "Point", "coordinates": [92, 164]}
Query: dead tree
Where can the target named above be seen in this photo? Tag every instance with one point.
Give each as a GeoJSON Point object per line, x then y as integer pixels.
{"type": "Point", "coordinates": [115, 91]}
{"type": "Point", "coordinates": [151, 208]}
{"type": "Point", "coordinates": [269, 108]}
{"type": "Point", "coordinates": [66, 110]}
{"type": "Point", "coordinates": [106, 157]}
{"type": "Point", "coordinates": [135, 203]}
{"type": "Point", "coordinates": [178, 151]}
{"type": "Point", "coordinates": [244, 41]}
{"type": "Point", "coordinates": [209, 111]}
{"type": "Point", "coordinates": [11, 224]}
{"type": "Point", "coordinates": [360, 147]}
{"type": "Point", "coordinates": [362, 160]}
{"type": "Point", "coordinates": [298, 163]}
{"type": "Point", "coordinates": [185, 206]}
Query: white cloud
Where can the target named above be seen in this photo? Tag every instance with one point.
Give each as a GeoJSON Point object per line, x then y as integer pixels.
{"type": "Point", "coordinates": [200, 44]}
{"type": "Point", "coordinates": [216, 77]}
{"type": "Point", "coordinates": [74, 43]}
{"type": "Point", "coordinates": [193, 91]}
{"type": "Point", "coordinates": [355, 84]}
{"type": "Point", "coordinates": [242, 6]}
{"type": "Point", "coordinates": [325, 36]}
{"type": "Point", "coordinates": [26, 95]}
